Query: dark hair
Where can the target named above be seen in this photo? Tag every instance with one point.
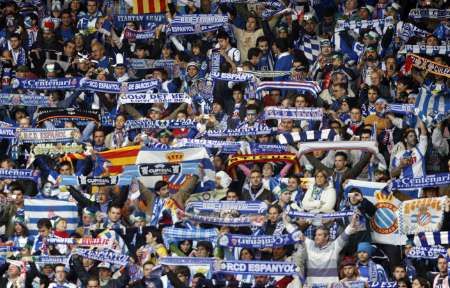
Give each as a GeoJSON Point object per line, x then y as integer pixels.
{"type": "Point", "coordinates": [155, 233]}
{"type": "Point", "coordinates": [160, 184]}
{"type": "Point", "coordinates": [183, 270]}
{"type": "Point", "coordinates": [282, 44]}
{"type": "Point", "coordinates": [423, 282]}
{"type": "Point", "coordinates": [276, 206]}
{"type": "Point", "coordinates": [98, 129]}
{"type": "Point", "coordinates": [114, 205]}
{"type": "Point", "coordinates": [44, 222]}
{"type": "Point", "coordinates": [93, 278]}
{"type": "Point", "coordinates": [222, 35]}
{"type": "Point", "coordinates": [15, 35]}
{"type": "Point", "coordinates": [253, 52]}
{"type": "Point", "coordinates": [343, 154]}
{"type": "Point", "coordinates": [261, 39]}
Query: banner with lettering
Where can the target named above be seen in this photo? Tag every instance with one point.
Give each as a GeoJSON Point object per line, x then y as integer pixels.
{"type": "Point", "coordinates": [36, 135]}
{"type": "Point", "coordinates": [24, 100]}
{"type": "Point", "coordinates": [258, 242]}
{"type": "Point", "coordinates": [422, 215]}
{"type": "Point", "coordinates": [46, 84]}
{"type": "Point", "coordinates": [272, 268]}
{"type": "Point", "coordinates": [157, 18]}
{"type": "Point", "coordinates": [119, 87]}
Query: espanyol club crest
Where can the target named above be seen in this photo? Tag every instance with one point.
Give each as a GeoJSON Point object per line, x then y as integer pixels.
{"type": "Point", "coordinates": [385, 220]}
{"type": "Point", "coordinates": [424, 217]}
{"type": "Point", "coordinates": [223, 240]}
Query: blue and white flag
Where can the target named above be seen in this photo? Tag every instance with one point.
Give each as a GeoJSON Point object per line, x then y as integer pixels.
{"type": "Point", "coordinates": [408, 30]}
{"type": "Point", "coordinates": [311, 135]}
{"type": "Point", "coordinates": [431, 102]}
{"type": "Point", "coordinates": [306, 113]}
{"type": "Point", "coordinates": [36, 209]}
{"type": "Point", "coordinates": [154, 98]}
{"type": "Point", "coordinates": [310, 46]}
{"type": "Point", "coordinates": [172, 156]}
{"type": "Point", "coordinates": [24, 100]}
{"type": "Point", "coordinates": [258, 242]}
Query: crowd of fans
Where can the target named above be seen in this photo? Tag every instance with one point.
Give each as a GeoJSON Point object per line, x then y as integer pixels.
{"type": "Point", "coordinates": [83, 39]}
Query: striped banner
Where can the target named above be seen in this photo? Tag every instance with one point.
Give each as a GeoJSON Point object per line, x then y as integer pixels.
{"type": "Point", "coordinates": [370, 146]}
{"type": "Point", "coordinates": [149, 6]}
{"type": "Point", "coordinates": [305, 86]}
{"type": "Point", "coordinates": [311, 135]}
{"type": "Point", "coordinates": [36, 209]}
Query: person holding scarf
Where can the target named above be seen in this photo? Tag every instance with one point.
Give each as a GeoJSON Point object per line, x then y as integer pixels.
{"type": "Point", "coordinates": [369, 270]}
{"type": "Point", "coordinates": [379, 119]}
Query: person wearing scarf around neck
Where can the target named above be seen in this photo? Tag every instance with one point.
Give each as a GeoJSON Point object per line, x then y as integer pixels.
{"type": "Point", "coordinates": [349, 274]}
{"type": "Point", "coordinates": [119, 137]}
{"type": "Point", "coordinates": [321, 196]}
{"type": "Point", "coordinates": [369, 270]}
{"type": "Point", "coordinates": [379, 119]}
{"type": "Point", "coordinates": [254, 190]}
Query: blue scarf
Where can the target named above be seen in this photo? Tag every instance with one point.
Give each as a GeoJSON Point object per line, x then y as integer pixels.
{"type": "Point", "coordinates": [159, 124]}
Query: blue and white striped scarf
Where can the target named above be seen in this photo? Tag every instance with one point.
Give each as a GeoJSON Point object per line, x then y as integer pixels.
{"type": "Point", "coordinates": [432, 102]}
{"type": "Point", "coordinates": [346, 25]}
{"type": "Point", "coordinates": [426, 239]}
{"type": "Point", "coordinates": [312, 135]}
{"type": "Point", "coordinates": [426, 49]}
{"type": "Point", "coordinates": [172, 234]}
{"type": "Point", "coordinates": [258, 242]}
{"type": "Point", "coordinates": [306, 86]}
{"type": "Point", "coordinates": [403, 109]}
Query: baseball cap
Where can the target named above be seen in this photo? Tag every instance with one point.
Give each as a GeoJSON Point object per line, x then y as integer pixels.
{"type": "Point", "coordinates": [104, 265]}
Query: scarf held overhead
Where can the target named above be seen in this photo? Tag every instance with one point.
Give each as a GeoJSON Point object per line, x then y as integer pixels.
{"type": "Point", "coordinates": [307, 113]}
{"type": "Point", "coordinates": [36, 135]}
{"type": "Point", "coordinates": [258, 242]}
{"type": "Point", "coordinates": [154, 98]}
{"type": "Point", "coordinates": [104, 256]}
{"type": "Point", "coordinates": [159, 124]}
{"type": "Point", "coordinates": [24, 100]}
{"type": "Point", "coordinates": [243, 207]}
{"type": "Point", "coordinates": [425, 64]}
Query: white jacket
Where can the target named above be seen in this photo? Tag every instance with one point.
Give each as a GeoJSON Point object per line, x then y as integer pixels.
{"type": "Point", "coordinates": [324, 204]}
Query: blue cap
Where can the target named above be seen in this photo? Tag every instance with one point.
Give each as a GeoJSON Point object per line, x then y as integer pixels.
{"type": "Point", "coordinates": [365, 247]}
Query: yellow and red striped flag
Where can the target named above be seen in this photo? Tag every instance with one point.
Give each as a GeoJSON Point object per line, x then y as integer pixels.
{"type": "Point", "coordinates": [149, 6]}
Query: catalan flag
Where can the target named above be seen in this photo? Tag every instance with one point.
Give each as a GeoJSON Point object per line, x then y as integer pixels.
{"type": "Point", "coordinates": [149, 6]}
{"type": "Point", "coordinates": [116, 157]}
